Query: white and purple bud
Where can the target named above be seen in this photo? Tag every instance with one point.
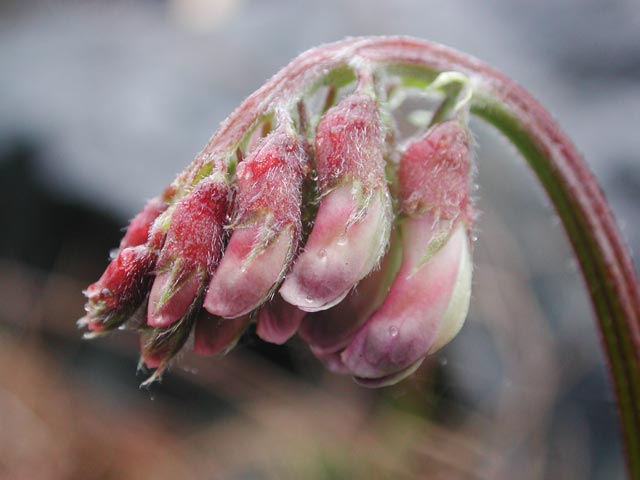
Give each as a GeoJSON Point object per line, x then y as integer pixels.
{"type": "Point", "coordinates": [216, 336]}
{"type": "Point", "coordinates": [123, 286]}
{"type": "Point", "coordinates": [429, 297]}
{"type": "Point", "coordinates": [351, 229]}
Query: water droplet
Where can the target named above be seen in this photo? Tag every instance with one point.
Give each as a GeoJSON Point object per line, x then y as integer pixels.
{"type": "Point", "coordinates": [105, 292]}
{"type": "Point", "coordinates": [342, 240]}
{"type": "Point", "coordinates": [393, 331]}
{"type": "Point", "coordinates": [309, 298]}
{"type": "Point", "coordinates": [322, 253]}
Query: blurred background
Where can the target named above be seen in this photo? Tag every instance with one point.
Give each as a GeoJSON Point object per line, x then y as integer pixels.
{"type": "Point", "coordinates": [103, 103]}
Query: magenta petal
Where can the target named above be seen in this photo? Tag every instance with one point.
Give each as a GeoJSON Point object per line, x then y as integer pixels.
{"type": "Point", "coordinates": [278, 321]}
{"type": "Point", "coordinates": [266, 225]}
{"type": "Point", "coordinates": [331, 330]}
{"type": "Point", "coordinates": [215, 335]}
{"type": "Point", "coordinates": [388, 380]}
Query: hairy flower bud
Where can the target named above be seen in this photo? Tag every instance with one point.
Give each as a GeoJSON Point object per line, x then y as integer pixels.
{"type": "Point", "coordinates": [351, 229]}
{"type": "Point", "coordinates": [140, 226]}
{"type": "Point", "coordinates": [278, 321]}
{"type": "Point", "coordinates": [266, 227]}
{"type": "Point", "coordinates": [190, 253]}
{"type": "Point", "coordinates": [429, 297]}
{"type": "Point", "coordinates": [120, 290]}
{"type": "Point", "coordinates": [331, 330]}
{"type": "Point", "coordinates": [216, 336]}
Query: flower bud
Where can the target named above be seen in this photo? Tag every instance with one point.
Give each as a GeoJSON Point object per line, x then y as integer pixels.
{"type": "Point", "coordinates": [139, 227]}
{"type": "Point", "coordinates": [429, 297]}
{"type": "Point", "coordinates": [278, 321]}
{"type": "Point", "coordinates": [266, 226]}
{"type": "Point", "coordinates": [215, 335]}
{"type": "Point", "coordinates": [329, 331]}
{"type": "Point", "coordinates": [158, 346]}
{"type": "Point", "coordinates": [120, 290]}
{"type": "Point", "coordinates": [351, 229]}
{"type": "Point", "coordinates": [191, 251]}
{"type": "Point", "coordinates": [424, 299]}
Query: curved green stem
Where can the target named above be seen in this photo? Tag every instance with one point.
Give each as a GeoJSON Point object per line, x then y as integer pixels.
{"type": "Point", "coordinates": [605, 264]}
{"type": "Point", "coordinates": [604, 260]}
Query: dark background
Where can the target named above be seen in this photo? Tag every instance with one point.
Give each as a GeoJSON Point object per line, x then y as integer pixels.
{"type": "Point", "coordinates": [103, 103]}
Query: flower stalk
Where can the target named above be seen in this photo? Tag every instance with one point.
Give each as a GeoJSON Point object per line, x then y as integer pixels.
{"type": "Point", "coordinates": [348, 188]}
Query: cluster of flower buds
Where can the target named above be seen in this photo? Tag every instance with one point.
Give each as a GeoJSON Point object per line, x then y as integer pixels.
{"type": "Point", "coordinates": [331, 231]}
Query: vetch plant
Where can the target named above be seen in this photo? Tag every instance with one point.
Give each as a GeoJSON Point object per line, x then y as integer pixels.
{"type": "Point", "coordinates": [324, 206]}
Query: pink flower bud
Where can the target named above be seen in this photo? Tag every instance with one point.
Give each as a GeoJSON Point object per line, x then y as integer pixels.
{"type": "Point", "coordinates": [266, 227]}
{"type": "Point", "coordinates": [390, 379]}
{"type": "Point", "coordinates": [120, 289]}
{"type": "Point", "coordinates": [329, 331]}
{"type": "Point", "coordinates": [352, 225]}
{"type": "Point", "coordinates": [278, 321]}
{"type": "Point", "coordinates": [139, 227]}
{"type": "Point", "coordinates": [425, 298]}
{"type": "Point", "coordinates": [435, 174]}
{"type": "Point", "coordinates": [215, 335]}
{"type": "Point", "coordinates": [191, 251]}
{"type": "Point", "coordinates": [429, 297]}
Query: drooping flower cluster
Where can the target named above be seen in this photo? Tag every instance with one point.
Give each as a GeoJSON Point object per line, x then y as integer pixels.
{"type": "Point", "coordinates": [323, 225]}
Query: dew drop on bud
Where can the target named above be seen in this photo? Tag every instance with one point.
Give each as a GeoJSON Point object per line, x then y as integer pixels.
{"type": "Point", "coordinates": [393, 331]}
